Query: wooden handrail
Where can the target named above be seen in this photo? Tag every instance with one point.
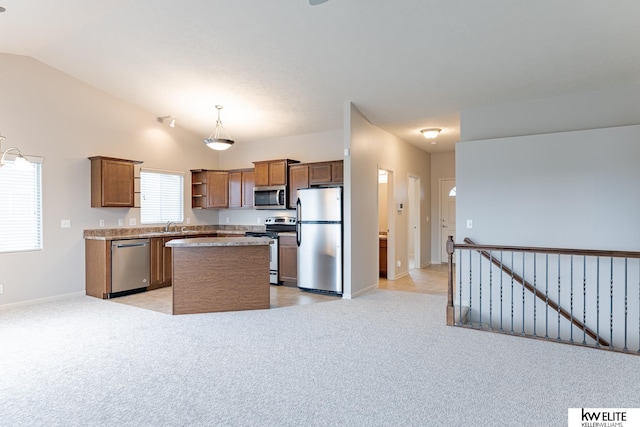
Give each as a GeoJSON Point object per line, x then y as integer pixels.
{"type": "Point", "coordinates": [470, 244]}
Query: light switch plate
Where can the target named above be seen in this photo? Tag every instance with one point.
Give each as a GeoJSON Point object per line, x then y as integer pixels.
{"type": "Point", "coordinates": [65, 223]}
{"type": "Point", "coordinates": [132, 221]}
{"type": "Point", "coordinates": [469, 223]}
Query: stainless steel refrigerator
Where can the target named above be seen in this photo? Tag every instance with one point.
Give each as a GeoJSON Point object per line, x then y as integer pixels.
{"type": "Point", "coordinates": [319, 239]}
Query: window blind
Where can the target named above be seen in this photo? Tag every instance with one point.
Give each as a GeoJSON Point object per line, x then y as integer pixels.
{"type": "Point", "coordinates": [162, 196]}
{"type": "Point", "coordinates": [21, 207]}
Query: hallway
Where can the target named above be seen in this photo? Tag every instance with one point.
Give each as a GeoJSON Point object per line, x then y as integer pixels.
{"type": "Point", "coordinates": [429, 280]}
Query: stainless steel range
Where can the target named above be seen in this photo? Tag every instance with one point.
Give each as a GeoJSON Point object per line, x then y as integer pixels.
{"type": "Point", "coordinates": [273, 226]}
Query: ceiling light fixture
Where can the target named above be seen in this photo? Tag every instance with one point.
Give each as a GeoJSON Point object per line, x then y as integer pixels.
{"type": "Point", "coordinates": [430, 133]}
{"type": "Point", "coordinates": [172, 120]}
{"type": "Point", "coordinates": [316, 2]}
{"type": "Point", "coordinates": [215, 141]}
{"type": "Point", "coordinates": [20, 162]}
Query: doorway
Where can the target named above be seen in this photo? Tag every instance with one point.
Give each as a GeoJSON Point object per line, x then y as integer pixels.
{"type": "Point", "coordinates": [447, 215]}
{"type": "Point", "coordinates": [414, 222]}
{"type": "Point", "coordinates": [386, 224]}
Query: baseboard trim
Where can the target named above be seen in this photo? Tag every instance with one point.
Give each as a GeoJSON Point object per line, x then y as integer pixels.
{"type": "Point", "coordinates": [361, 292]}
{"type": "Point", "coordinates": [40, 300]}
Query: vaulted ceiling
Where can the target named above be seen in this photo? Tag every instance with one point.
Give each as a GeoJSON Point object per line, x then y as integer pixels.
{"type": "Point", "coordinates": [284, 67]}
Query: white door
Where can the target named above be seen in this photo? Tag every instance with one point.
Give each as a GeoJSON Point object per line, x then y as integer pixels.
{"type": "Point", "coordinates": [447, 215]}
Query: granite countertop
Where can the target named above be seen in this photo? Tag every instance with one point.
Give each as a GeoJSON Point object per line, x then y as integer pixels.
{"type": "Point", "coordinates": [177, 231]}
{"type": "Point", "coordinates": [219, 241]}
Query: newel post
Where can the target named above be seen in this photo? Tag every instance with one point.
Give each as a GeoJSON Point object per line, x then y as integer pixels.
{"type": "Point", "coordinates": [450, 308]}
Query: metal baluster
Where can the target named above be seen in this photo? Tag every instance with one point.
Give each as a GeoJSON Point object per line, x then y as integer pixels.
{"type": "Point", "coordinates": [584, 300]}
{"type": "Point", "coordinates": [571, 303]}
{"type": "Point", "coordinates": [501, 276]}
{"type": "Point", "coordinates": [523, 278]}
{"type": "Point", "coordinates": [460, 286]}
{"type": "Point", "coordinates": [512, 266]}
{"type": "Point", "coordinates": [625, 305]}
{"type": "Point", "coordinates": [490, 290]}
{"type": "Point", "coordinates": [559, 297]}
{"type": "Point", "coordinates": [611, 306]}
{"type": "Point", "coordinates": [546, 293]}
{"type": "Point", "coordinates": [470, 294]}
{"type": "Point", "coordinates": [535, 293]}
{"type": "Point", "coordinates": [598, 301]}
{"type": "Point", "coordinates": [480, 286]}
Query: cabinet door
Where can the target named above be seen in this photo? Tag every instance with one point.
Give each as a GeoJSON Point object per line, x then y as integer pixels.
{"type": "Point", "coordinates": [235, 189]}
{"type": "Point", "coordinates": [337, 172]}
{"type": "Point", "coordinates": [167, 261]}
{"type": "Point", "coordinates": [261, 173]}
{"type": "Point", "coordinates": [248, 183]}
{"type": "Point", "coordinates": [320, 173]}
{"type": "Point", "coordinates": [298, 178]}
{"type": "Point", "coordinates": [112, 183]}
{"type": "Point", "coordinates": [157, 262]}
{"type": "Point", "coordinates": [217, 189]}
{"type": "Point", "coordinates": [287, 260]}
{"type": "Point", "coordinates": [278, 172]}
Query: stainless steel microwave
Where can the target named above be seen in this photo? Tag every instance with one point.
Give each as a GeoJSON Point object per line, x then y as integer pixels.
{"type": "Point", "coordinates": [272, 197]}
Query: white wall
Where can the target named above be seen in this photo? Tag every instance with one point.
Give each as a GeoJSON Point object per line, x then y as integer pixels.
{"type": "Point", "coordinates": [372, 148]}
{"type": "Point", "coordinates": [557, 187]}
{"type": "Point", "coordinates": [571, 189]}
{"type": "Point", "coordinates": [443, 165]}
{"type": "Point", "coordinates": [50, 114]}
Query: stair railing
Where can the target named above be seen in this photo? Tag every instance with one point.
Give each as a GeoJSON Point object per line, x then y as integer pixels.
{"type": "Point", "coordinates": [596, 293]}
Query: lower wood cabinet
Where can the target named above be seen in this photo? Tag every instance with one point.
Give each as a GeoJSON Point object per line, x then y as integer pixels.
{"type": "Point", "coordinates": [288, 260]}
{"type": "Point", "coordinates": [383, 258]}
{"type": "Point", "coordinates": [160, 263]}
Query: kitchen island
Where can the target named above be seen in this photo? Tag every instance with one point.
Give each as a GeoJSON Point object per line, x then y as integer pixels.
{"type": "Point", "coordinates": [213, 274]}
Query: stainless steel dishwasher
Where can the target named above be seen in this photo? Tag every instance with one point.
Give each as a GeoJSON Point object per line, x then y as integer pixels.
{"type": "Point", "coordinates": [130, 266]}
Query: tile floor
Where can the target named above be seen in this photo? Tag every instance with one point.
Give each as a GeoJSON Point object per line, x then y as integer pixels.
{"type": "Point", "coordinates": [428, 280]}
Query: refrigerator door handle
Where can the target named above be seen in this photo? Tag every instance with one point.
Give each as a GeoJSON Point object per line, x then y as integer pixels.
{"type": "Point", "coordinates": [298, 217]}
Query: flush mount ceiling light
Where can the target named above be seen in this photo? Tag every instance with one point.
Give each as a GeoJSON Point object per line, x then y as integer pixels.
{"type": "Point", "coordinates": [219, 138]}
{"type": "Point", "coordinates": [316, 2]}
{"type": "Point", "coordinates": [20, 162]}
{"type": "Point", "coordinates": [430, 133]}
{"type": "Point", "coordinates": [172, 120]}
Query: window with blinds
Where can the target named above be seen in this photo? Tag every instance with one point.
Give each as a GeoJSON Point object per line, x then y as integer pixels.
{"type": "Point", "coordinates": [161, 196]}
{"type": "Point", "coordinates": [21, 207]}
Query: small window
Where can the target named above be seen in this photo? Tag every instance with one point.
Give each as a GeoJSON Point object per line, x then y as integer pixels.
{"type": "Point", "coordinates": [162, 196]}
{"type": "Point", "coordinates": [21, 206]}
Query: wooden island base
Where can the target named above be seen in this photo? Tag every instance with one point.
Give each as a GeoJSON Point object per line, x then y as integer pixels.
{"type": "Point", "coordinates": [220, 278]}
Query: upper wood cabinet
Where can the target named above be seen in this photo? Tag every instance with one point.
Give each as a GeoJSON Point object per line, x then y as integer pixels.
{"type": "Point", "coordinates": [241, 183]}
{"type": "Point", "coordinates": [326, 173]}
{"type": "Point", "coordinates": [298, 178]}
{"type": "Point", "coordinates": [112, 182]}
{"type": "Point", "coordinates": [209, 189]}
{"type": "Point", "coordinates": [272, 172]}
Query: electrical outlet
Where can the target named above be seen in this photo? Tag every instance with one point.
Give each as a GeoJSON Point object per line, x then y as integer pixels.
{"type": "Point", "coordinates": [227, 220]}
{"type": "Point", "coordinates": [102, 223]}
{"type": "Point", "coordinates": [1, 288]}
{"type": "Point", "coordinates": [120, 222]}
{"type": "Point", "coordinates": [188, 221]}
{"type": "Point", "coordinates": [399, 263]}
{"type": "Point", "coordinates": [132, 221]}
{"type": "Point", "coordinates": [258, 221]}
{"type": "Point", "coordinates": [65, 223]}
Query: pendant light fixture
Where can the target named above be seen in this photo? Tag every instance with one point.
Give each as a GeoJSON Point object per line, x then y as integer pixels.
{"type": "Point", "coordinates": [20, 162]}
{"type": "Point", "coordinates": [219, 138]}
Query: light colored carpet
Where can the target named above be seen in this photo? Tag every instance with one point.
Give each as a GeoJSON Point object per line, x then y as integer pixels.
{"type": "Point", "coordinates": [383, 359]}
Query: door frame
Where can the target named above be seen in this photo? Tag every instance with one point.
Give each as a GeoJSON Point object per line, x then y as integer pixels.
{"type": "Point", "coordinates": [440, 233]}
{"type": "Point", "coordinates": [414, 219]}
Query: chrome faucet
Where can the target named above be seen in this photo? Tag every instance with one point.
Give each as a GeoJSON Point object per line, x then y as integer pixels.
{"type": "Point", "coordinates": [166, 227]}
